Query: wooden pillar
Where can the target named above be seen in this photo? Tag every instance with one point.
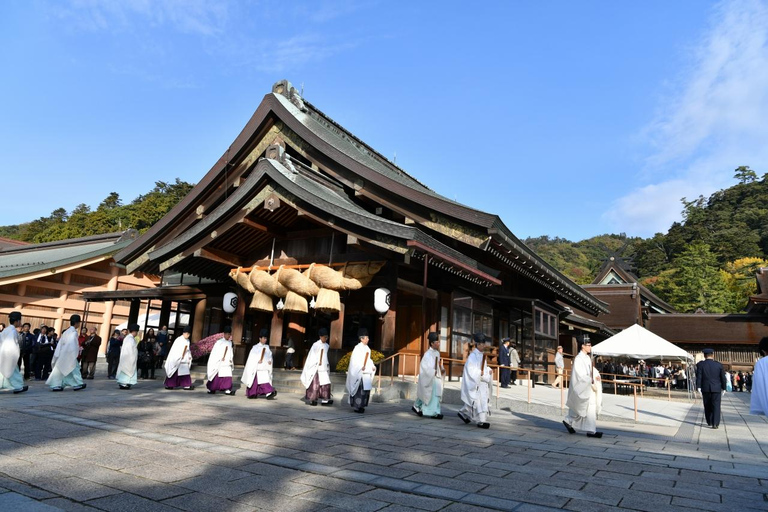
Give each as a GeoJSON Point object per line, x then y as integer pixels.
{"type": "Point", "coordinates": [109, 306]}
{"type": "Point", "coordinates": [133, 313]}
{"type": "Point", "coordinates": [21, 291]}
{"type": "Point", "coordinates": [199, 320]}
{"type": "Point", "coordinates": [337, 330]}
{"type": "Point", "coordinates": [276, 329]}
{"type": "Point", "coordinates": [238, 320]}
{"type": "Point", "coordinates": [165, 313]}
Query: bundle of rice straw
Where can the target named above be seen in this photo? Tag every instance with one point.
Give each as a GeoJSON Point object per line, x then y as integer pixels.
{"type": "Point", "coordinates": [266, 283]}
{"type": "Point", "coordinates": [328, 301]}
{"type": "Point", "coordinates": [326, 277]}
{"type": "Point", "coordinates": [279, 289]}
{"type": "Point", "coordinates": [311, 286]}
{"type": "Point", "coordinates": [261, 302]}
{"type": "Point", "coordinates": [297, 282]}
{"type": "Point", "coordinates": [241, 278]}
{"type": "Point", "coordinates": [358, 275]}
{"type": "Point", "coordinates": [295, 303]}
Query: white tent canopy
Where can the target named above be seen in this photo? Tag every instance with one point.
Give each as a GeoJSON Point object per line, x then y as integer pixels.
{"type": "Point", "coordinates": [639, 343]}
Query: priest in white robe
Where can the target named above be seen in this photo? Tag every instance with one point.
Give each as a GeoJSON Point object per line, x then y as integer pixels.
{"type": "Point", "coordinates": [475, 385]}
{"type": "Point", "coordinates": [66, 370]}
{"type": "Point", "coordinates": [316, 377]}
{"type": "Point", "coordinates": [179, 363]}
{"type": "Point", "coordinates": [360, 373]}
{"type": "Point", "coordinates": [257, 375]}
{"type": "Point", "coordinates": [221, 364]}
{"type": "Point", "coordinates": [430, 387]}
{"type": "Point", "coordinates": [127, 368]}
{"type": "Point", "coordinates": [759, 398]}
{"type": "Point", "coordinates": [585, 395]}
{"type": "Point", "coordinates": [10, 351]}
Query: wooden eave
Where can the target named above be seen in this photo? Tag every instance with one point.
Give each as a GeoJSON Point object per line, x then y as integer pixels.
{"type": "Point", "coordinates": [271, 177]}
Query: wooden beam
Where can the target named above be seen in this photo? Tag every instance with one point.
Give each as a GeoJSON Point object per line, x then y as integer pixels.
{"type": "Point", "coordinates": [219, 256]}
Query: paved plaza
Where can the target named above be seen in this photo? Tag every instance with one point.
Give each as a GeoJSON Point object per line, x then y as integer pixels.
{"type": "Point", "coordinates": [149, 449]}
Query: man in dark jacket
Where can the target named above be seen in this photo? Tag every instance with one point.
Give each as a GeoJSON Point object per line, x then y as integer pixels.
{"type": "Point", "coordinates": [505, 374]}
{"type": "Point", "coordinates": [90, 353]}
{"type": "Point", "coordinates": [113, 354]}
{"type": "Point", "coordinates": [711, 382]}
{"type": "Point", "coordinates": [26, 343]}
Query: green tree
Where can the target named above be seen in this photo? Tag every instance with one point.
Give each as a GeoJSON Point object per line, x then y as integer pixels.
{"type": "Point", "coordinates": [695, 282]}
{"type": "Point", "coordinates": [744, 174]}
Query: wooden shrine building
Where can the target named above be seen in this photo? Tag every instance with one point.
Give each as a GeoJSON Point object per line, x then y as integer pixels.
{"type": "Point", "coordinates": [297, 198]}
{"type": "Point", "coordinates": [46, 282]}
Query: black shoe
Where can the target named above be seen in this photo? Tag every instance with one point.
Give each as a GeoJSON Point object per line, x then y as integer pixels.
{"type": "Point", "coordinates": [596, 435]}
{"type": "Point", "coordinates": [253, 396]}
{"type": "Point", "coordinates": [359, 410]}
{"type": "Point", "coordinates": [90, 378]}
{"type": "Point", "coordinates": [416, 411]}
{"type": "Point", "coordinates": [504, 387]}
{"type": "Point", "coordinates": [168, 387]}
{"type": "Point", "coordinates": [230, 392]}
{"type": "Point", "coordinates": [78, 388]}
{"type": "Point", "coordinates": [313, 402]}
{"type": "Point", "coordinates": [463, 418]}
{"type": "Point", "coordinates": [326, 402]}
{"type": "Point", "coordinates": [484, 425]}
{"type": "Point", "coordinates": [716, 427]}
{"type": "Point", "coordinates": [126, 386]}
{"type": "Point", "coordinates": [20, 390]}
{"type": "Point", "coordinates": [271, 396]}
{"type": "Point", "coordinates": [211, 392]}
{"type": "Point", "coordinates": [438, 416]}
{"type": "Point", "coordinates": [571, 430]}
{"type": "Point", "coordinates": [57, 388]}
{"type": "Point", "coordinates": [188, 388]}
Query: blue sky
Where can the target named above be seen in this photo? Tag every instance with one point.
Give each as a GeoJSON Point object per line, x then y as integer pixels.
{"type": "Point", "coordinates": [568, 119]}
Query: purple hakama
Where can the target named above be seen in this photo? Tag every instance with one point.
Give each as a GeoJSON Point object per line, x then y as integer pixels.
{"type": "Point", "coordinates": [219, 384]}
{"type": "Point", "coordinates": [317, 392]}
{"type": "Point", "coordinates": [259, 389]}
{"type": "Point", "coordinates": [176, 381]}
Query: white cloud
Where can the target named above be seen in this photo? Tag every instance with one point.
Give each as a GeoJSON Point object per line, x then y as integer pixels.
{"type": "Point", "coordinates": [713, 123]}
{"type": "Point", "coordinates": [198, 17]}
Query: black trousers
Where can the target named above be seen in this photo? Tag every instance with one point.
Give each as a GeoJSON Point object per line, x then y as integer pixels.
{"type": "Point", "coordinates": [24, 358]}
{"type": "Point", "coordinates": [712, 407]}
{"type": "Point", "coordinates": [505, 376]}
{"type": "Point", "coordinates": [112, 362]}
{"type": "Point", "coordinates": [514, 376]}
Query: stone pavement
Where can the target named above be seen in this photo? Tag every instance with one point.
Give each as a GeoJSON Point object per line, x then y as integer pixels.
{"type": "Point", "coordinates": [149, 449]}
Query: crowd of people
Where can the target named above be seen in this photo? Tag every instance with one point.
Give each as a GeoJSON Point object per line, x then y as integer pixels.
{"type": "Point", "coordinates": [73, 359]}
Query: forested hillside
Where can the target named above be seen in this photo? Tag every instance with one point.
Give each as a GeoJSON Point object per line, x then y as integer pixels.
{"type": "Point", "coordinates": [707, 261]}
{"type": "Point", "coordinates": [110, 216]}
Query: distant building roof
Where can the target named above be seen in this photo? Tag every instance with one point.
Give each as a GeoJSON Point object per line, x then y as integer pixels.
{"type": "Point", "coordinates": [22, 261]}
{"type": "Point", "coordinates": [8, 243]}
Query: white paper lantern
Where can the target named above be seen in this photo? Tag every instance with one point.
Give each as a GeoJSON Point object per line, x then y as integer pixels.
{"type": "Point", "coordinates": [381, 298]}
{"type": "Point", "coordinates": [230, 302]}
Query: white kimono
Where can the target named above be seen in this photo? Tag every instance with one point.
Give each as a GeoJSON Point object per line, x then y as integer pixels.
{"type": "Point", "coordinates": [584, 398]}
{"type": "Point", "coordinates": [10, 378]}
{"type": "Point", "coordinates": [259, 366]}
{"type": "Point", "coordinates": [65, 359]}
{"type": "Point", "coordinates": [361, 370]}
{"type": "Point", "coordinates": [179, 358]}
{"type": "Point", "coordinates": [129, 355]}
{"type": "Point", "coordinates": [759, 400]}
{"type": "Point", "coordinates": [475, 392]}
{"type": "Point", "coordinates": [9, 352]}
{"type": "Point", "coordinates": [313, 366]}
{"type": "Point", "coordinates": [429, 376]}
{"type": "Point", "coordinates": [220, 361]}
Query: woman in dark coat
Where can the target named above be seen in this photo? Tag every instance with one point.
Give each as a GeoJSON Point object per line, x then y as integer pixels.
{"type": "Point", "coordinates": [147, 355]}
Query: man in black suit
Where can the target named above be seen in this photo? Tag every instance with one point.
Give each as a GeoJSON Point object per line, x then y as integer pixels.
{"type": "Point", "coordinates": [711, 382]}
{"type": "Point", "coordinates": [505, 374]}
